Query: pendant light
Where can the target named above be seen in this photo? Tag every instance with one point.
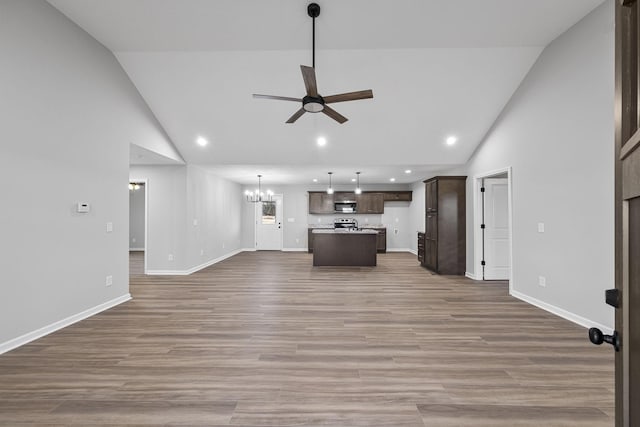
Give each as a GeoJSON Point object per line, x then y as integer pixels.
{"type": "Point", "coordinates": [330, 189]}
{"type": "Point", "coordinates": [258, 195]}
{"type": "Point", "coordinates": [358, 189]}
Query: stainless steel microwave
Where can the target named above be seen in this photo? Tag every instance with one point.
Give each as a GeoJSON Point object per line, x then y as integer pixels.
{"type": "Point", "coordinates": [345, 207]}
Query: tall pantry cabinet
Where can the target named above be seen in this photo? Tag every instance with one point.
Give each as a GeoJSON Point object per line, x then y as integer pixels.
{"type": "Point", "coordinates": [445, 225]}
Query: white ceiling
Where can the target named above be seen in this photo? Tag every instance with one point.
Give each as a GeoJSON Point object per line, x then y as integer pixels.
{"type": "Point", "coordinates": [436, 68]}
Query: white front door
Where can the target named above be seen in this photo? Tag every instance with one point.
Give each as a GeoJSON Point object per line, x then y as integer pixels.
{"type": "Point", "coordinates": [496, 234]}
{"type": "Point", "coordinates": [269, 224]}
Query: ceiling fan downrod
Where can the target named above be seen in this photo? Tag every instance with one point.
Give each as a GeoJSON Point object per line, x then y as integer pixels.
{"type": "Point", "coordinates": [313, 10]}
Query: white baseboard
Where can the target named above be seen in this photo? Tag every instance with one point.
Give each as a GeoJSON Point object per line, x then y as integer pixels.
{"type": "Point", "coordinates": [46, 330]}
{"type": "Point", "coordinates": [248, 250]}
{"type": "Point", "coordinates": [294, 250]}
{"type": "Point", "coordinates": [401, 250]}
{"type": "Point", "coordinates": [471, 276]}
{"type": "Point", "coordinates": [193, 269]}
{"type": "Point", "coordinates": [572, 317]}
{"type": "Point", "coordinates": [136, 249]}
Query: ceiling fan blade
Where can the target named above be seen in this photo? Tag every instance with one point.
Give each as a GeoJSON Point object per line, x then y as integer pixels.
{"type": "Point", "coordinates": [296, 115]}
{"type": "Point", "coordinates": [351, 96]}
{"type": "Point", "coordinates": [334, 114]}
{"type": "Point", "coordinates": [309, 77]}
{"type": "Point", "coordinates": [281, 98]}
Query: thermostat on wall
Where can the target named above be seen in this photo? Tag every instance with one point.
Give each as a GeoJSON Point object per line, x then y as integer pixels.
{"type": "Point", "coordinates": [83, 207]}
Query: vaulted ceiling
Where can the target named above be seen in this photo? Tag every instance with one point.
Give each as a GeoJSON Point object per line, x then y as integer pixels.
{"type": "Point", "coordinates": [436, 67]}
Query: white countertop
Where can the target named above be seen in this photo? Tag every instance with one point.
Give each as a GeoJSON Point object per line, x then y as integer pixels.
{"type": "Point", "coordinates": [342, 231]}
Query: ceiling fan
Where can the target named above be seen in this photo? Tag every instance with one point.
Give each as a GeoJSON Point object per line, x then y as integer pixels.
{"type": "Point", "coordinates": [313, 102]}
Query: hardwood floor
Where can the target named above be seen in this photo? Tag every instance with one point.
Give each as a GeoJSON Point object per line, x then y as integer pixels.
{"type": "Point", "coordinates": [265, 339]}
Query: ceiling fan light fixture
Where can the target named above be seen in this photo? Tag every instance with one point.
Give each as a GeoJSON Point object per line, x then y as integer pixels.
{"type": "Point", "coordinates": [312, 104]}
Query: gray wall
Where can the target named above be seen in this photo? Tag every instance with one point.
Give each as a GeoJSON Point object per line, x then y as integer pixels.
{"type": "Point", "coordinates": [193, 215]}
{"type": "Point", "coordinates": [297, 218]}
{"type": "Point", "coordinates": [214, 215]}
{"type": "Point", "coordinates": [67, 116]}
{"type": "Point", "coordinates": [557, 134]}
{"type": "Point", "coordinates": [136, 218]}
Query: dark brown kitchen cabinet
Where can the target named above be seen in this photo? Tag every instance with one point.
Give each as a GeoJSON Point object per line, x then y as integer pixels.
{"type": "Point", "coordinates": [320, 202]}
{"type": "Point", "coordinates": [381, 242]}
{"type": "Point", "coordinates": [445, 225]}
{"type": "Point", "coordinates": [370, 203]}
{"type": "Point", "coordinates": [397, 196]}
{"type": "Point", "coordinates": [344, 196]}
{"type": "Point", "coordinates": [431, 188]}
{"type": "Point", "coordinates": [309, 240]}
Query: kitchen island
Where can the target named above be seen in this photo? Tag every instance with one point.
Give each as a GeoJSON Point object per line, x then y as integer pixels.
{"type": "Point", "coordinates": [344, 247]}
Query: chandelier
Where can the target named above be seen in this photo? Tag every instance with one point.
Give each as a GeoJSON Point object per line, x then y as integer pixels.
{"type": "Point", "coordinates": [258, 196]}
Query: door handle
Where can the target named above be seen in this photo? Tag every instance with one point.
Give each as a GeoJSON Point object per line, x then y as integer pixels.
{"type": "Point", "coordinates": [597, 337]}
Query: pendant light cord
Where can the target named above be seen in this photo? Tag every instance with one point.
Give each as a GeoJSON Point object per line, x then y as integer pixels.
{"type": "Point", "coordinates": [313, 59]}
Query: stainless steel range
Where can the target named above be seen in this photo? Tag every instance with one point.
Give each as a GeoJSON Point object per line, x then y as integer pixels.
{"type": "Point", "coordinates": [345, 223]}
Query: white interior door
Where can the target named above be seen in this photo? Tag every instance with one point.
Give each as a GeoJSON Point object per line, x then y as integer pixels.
{"type": "Point", "coordinates": [269, 224]}
{"type": "Point", "coordinates": [496, 235]}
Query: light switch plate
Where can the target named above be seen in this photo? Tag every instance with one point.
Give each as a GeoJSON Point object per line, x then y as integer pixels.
{"type": "Point", "coordinates": [109, 227]}
{"type": "Point", "coordinates": [541, 227]}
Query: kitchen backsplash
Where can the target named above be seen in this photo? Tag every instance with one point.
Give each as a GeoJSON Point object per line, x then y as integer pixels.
{"type": "Point", "coordinates": [362, 219]}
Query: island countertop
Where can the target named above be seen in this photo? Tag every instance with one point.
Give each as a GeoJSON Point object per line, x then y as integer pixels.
{"type": "Point", "coordinates": [343, 231]}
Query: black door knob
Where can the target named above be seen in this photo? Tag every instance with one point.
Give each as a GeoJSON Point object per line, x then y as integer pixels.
{"type": "Point", "coordinates": [597, 337]}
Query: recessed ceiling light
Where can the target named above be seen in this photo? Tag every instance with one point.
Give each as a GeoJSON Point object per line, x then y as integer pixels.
{"type": "Point", "coordinates": [315, 179]}
{"type": "Point", "coordinates": [392, 179]}
{"type": "Point", "coordinates": [322, 141]}
{"type": "Point", "coordinates": [353, 180]}
{"type": "Point", "coordinates": [407, 171]}
{"type": "Point", "coordinates": [201, 141]}
{"type": "Point", "coordinates": [451, 140]}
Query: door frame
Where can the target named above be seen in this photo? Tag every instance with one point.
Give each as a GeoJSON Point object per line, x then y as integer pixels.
{"type": "Point", "coordinates": [144, 181]}
{"type": "Point", "coordinates": [477, 221]}
{"type": "Point", "coordinates": [255, 224]}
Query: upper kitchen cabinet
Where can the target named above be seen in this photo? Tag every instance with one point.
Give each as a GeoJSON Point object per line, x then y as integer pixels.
{"type": "Point", "coordinates": [431, 188]}
{"type": "Point", "coordinates": [445, 225]}
{"type": "Point", "coordinates": [397, 196]}
{"type": "Point", "coordinates": [344, 196]}
{"type": "Point", "coordinates": [320, 202]}
{"type": "Point", "coordinates": [370, 203]}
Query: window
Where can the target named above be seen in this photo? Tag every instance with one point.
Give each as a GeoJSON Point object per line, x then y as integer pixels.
{"type": "Point", "coordinates": [268, 213]}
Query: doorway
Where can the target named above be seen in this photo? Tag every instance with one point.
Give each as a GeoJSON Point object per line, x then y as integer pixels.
{"type": "Point", "coordinates": [138, 197]}
{"type": "Point", "coordinates": [269, 224]}
{"type": "Point", "coordinates": [493, 226]}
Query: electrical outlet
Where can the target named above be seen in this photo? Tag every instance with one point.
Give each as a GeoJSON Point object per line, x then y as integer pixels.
{"type": "Point", "coordinates": [195, 222]}
{"type": "Point", "coordinates": [223, 245]}
{"type": "Point", "coordinates": [541, 227]}
{"type": "Point", "coordinates": [133, 239]}
{"type": "Point", "coordinates": [109, 227]}
{"type": "Point", "coordinates": [542, 281]}
{"type": "Point", "coordinates": [297, 240]}
{"type": "Point", "coordinates": [201, 252]}
{"type": "Point", "coordinates": [108, 281]}
{"type": "Point", "coordinates": [170, 257]}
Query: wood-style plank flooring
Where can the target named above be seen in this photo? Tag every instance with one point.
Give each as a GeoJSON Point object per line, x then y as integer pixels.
{"type": "Point", "coordinates": [265, 339]}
